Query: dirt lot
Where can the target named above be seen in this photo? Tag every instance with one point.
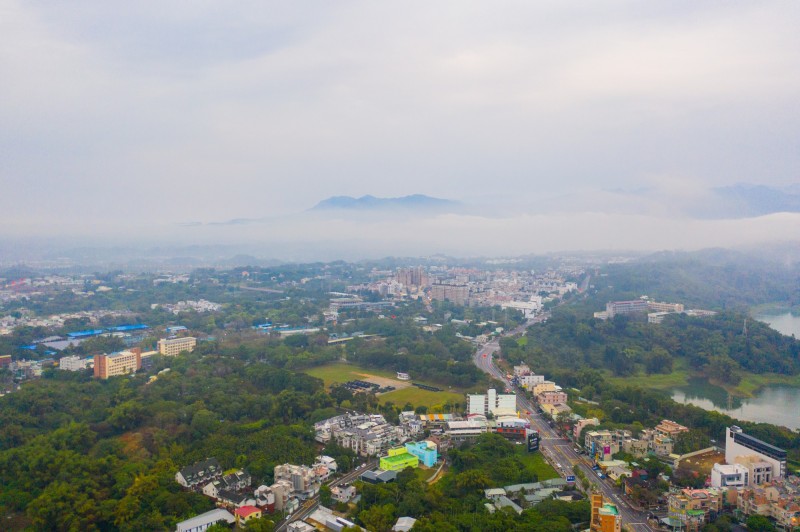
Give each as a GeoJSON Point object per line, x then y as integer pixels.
{"type": "Point", "coordinates": [384, 381]}
{"type": "Point", "coordinates": [703, 463]}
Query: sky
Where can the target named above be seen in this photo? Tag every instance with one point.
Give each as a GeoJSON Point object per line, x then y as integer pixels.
{"type": "Point", "coordinates": [129, 119]}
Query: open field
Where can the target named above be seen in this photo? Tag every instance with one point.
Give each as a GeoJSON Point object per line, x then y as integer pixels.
{"type": "Point", "coordinates": [419, 397]}
{"type": "Point", "coordinates": [703, 463]}
{"type": "Point", "coordinates": [679, 377]}
{"type": "Point", "coordinates": [536, 463]}
{"type": "Point", "coordinates": [341, 372]}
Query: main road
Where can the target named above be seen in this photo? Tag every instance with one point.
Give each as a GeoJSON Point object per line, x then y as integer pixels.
{"type": "Point", "coordinates": [558, 451]}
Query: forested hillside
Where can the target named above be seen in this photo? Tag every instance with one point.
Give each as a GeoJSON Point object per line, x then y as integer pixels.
{"type": "Point", "coordinates": [627, 344]}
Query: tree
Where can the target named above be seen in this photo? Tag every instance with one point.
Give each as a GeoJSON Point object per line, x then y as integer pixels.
{"type": "Point", "coordinates": [760, 523]}
{"type": "Point", "coordinates": [325, 497]}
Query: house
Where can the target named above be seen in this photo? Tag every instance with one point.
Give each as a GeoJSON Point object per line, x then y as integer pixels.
{"type": "Point", "coordinates": [234, 499]}
{"type": "Point", "coordinates": [199, 474]}
{"type": "Point", "coordinates": [246, 513]}
{"type": "Point", "coordinates": [233, 482]}
{"type": "Point", "coordinates": [203, 521]}
{"type": "Point", "coordinates": [343, 493]}
{"type": "Point", "coordinates": [379, 477]}
{"type": "Point", "coordinates": [404, 524]}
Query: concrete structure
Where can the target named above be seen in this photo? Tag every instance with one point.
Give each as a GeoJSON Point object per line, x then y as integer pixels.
{"type": "Point", "coordinates": [581, 424]}
{"type": "Point", "coordinates": [122, 363]}
{"type": "Point", "coordinates": [759, 471]}
{"type": "Point", "coordinates": [521, 370]}
{"type": "Point", "coordinates": [170, 347]}
{"type": "Point", "coordinates": [543, 386]}
{"type": "Point", "coordinates": [404, 524]}
{"type": "Point", "coordinates": [779, 499]}
{"type": "Point", "coordinates": [614, 308]}
{"type": "Point", "coordinates": [456, 293]}
{"type": "Point", "coordinates": [605, 516]}
{"type": "Point", "coordinates": [492, 403]}
{"type": "Point", "coordinates": [204, 521]}
{"type": "Point", "coordinates": [551, 398]}
{"type": "Point", "coordinates": [303, 480]}
{"type": "Point", "coordinates": [398, 459]}
{"type": "Point", "coordinates": [729, 476]}
{"type": "Point", "coordinates": [529, 381]}
{"type": "Point", "coordinates": [656, 306]}
{"type": "Point", "coordinates": [403, 376]}
{"type": "Point", "coordinates": [343, 493]}
{"type": "Point", "coordinates": [366, 434]}
{"type": "Point", "coordinates": [73, 363]}
{"type": "Point", "coordinates": [461, 431]}
{"type": "Point", "coordinates": [425, 451]}
{"type": "Point", "coordinates": [737, 444]}
{"type": "Point", "coordinates": [690, 508]}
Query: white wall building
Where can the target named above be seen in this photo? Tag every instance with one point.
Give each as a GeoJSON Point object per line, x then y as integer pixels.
{"type": "Point", "coordinates": [739, 444]}
{"type": "Point", "coordinates": [492, 403]}
{"type": "Point", "coordinates": [729, 476]}
{"type": "Point", "coordinates": [74, 363]}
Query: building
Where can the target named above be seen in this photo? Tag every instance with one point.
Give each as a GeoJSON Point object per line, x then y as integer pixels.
{"type": "Point", "coordinates": [425, 451]}
{"type": "Point", "coordinates": [551, 398]}
{"type": "Point", "coordinates": [398, 459]}
{"type": "Point", "coordinates": [303, 480]}
{"type": "Point", "coordinates": [170, 347]}
{"type": "Point", "coordinates": [246, 513]}
{"type": "Point", "coordinates": [737, 443]}
{"type": "Point", "coordinates": [521, 370]}
{"type": "Point", "coordinates": [492, 403]}
{"type": "Point", "coordinates": [204, 521]}
{"type": "Point", "coordinates": [543, 386]}
{"type": "Point", "coordinates": [416, 277]}
{"type": "Point", "coordinates": [403, 376]}
{"type": "Point", "coordinates": [759, 471]}
{"type": "Point", "coordinates": [456, 293]}
{"type": "Point", "coordinates": [236, 481]}
{"type": "Point", "coordinates": [199, 474]}
{"type": "Point", "coordinates": [366, 434]}
{"type": "Point", "coordinates": [73, 363]}
{"type": "Point", "coordinates": [670, 428]}
{"type": "Point", "coordinates": [404, 524]}
{"type": "Point", "coordinates": [5, 361]}
{"type": "Point", "coordinates": [122, 363]}
{"type": "Point", "coordinates": [529, 381]}
{"type": "Point", "coordinates": [461, 431]}
{"type": "Point", "coordinates": [729, 476]}
{"type": "Point", "coordinates": [655, 306]}
{"type": "Point", "coordinates": [605, 516]}
{"type": "Point", "coordinates": [779, 499]}
{"type": "Point", "coordinates": [344, 493]}
{"type": "Point", "coordinates": [690, 508]}
{"type": "Point", "coordinates": [614, 308]}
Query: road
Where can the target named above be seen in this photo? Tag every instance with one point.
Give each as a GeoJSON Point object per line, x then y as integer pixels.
{"type": "Point", "coordinates": [559, 452]}
{"type": "Point", "coordinates": [310, 506]}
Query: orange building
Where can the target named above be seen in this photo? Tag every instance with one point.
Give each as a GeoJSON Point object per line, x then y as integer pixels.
{"type": "Point", "coordinates": [121, 363]}
{"type": "Point", "coordinates": [605, 516]}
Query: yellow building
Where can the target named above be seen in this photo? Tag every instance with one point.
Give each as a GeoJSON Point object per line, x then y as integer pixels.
{"type": "Point", "coordinates": [398, 459]}
{"type": "Point", "coordinates": [605, 516]}
{"type": "Point", "coordinates": [121, 363]}
{"type": "Point", "coordinates": [172, 346]}
{"type": "Point", "coordinates": [546, 386]}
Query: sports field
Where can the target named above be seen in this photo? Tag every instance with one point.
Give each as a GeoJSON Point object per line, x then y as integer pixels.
{"type": "Point", "coordinates": [340, 373]}
{"type": "Point", "coordinates": [419, 397]}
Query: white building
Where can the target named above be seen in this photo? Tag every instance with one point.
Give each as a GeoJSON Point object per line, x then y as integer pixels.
{"type": "Point", "coordinates": [729, 476]}
{"type": "Point", "coordinates": [529, 381]}
{"type": "Point", "coordinates": [739, 444]}
{"type": "Point", "coordinates": [172, 346]}
{"type": "Point", "coordinates": [74, 363]}
{"type": "Point", "coordinates": [492, 403]}
{"type": "Point", "coordinates": [204, 521]}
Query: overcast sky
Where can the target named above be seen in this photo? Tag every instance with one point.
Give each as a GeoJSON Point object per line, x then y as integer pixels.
{"type": "Point", "coordinates": [148, 114]}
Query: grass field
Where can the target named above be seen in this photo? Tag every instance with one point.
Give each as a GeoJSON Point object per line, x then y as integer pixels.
{"type": "Point", "coordinates": [341, 373]}
{"type": "Point", "coordinates": [536, 463]}
{"type": "Point", "coordinates": [419, 397]}
{"type": "Point", "coordinates": [678, 377]}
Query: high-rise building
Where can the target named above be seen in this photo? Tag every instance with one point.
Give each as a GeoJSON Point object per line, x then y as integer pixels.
{"type": "Point", "coordinates": [456, 293]}
{"type": "Point", "coordinates": [172, 346]}
{"type": "Point", "coordinates": [121, 363]}
{"type": "Point", "coordinates": [614, 308]}
{"type": "Point", "coordinates": [409, 277]}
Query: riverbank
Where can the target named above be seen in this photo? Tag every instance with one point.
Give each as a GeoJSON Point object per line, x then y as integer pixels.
{"type": "Point", "coordinates": [748, 387]}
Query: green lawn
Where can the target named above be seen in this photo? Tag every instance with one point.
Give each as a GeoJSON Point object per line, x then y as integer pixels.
{"type": "Point", "coordinates": [341, 372]}
{"type": "Point", "coordinates": [678, 377]}
{"type": "Point", "coordinates": [419, 397]}
{"type": "Point", "coordinates": [535, 463]}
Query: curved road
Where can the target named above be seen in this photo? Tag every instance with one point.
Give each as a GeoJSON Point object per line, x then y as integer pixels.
{"type": "Point", "coordinates": [557, 451]}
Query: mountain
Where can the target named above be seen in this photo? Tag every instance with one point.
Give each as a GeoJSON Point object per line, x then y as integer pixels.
{"type": "Point", "coordinates": [415, 202]}
{"type": "Point", "coordinates": [744, 200]}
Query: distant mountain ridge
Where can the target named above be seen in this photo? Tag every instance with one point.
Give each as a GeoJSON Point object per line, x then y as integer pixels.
{"type": "Point", "coordinates": [372, 203]}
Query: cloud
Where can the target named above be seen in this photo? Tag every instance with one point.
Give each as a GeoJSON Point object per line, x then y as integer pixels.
{"type": "Point", "coordinates": [135, 117]}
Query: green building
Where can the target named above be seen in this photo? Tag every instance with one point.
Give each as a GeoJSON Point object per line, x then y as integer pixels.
{"type": "Point", "coordinates": [398, 459]}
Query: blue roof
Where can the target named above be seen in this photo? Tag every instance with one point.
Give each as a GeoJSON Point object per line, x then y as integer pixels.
{"type": "Point", "coordinates": [122, 328]}
{"type": "Point", "coordinates": [31, 347]}
{"type": "Point", "coordinates": [83, 334]}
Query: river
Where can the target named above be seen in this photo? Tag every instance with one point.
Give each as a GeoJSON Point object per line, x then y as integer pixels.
{"type": "Point", "coordinates": [786, 323]}
{"type": "Point", "coordinates": [776, 404]}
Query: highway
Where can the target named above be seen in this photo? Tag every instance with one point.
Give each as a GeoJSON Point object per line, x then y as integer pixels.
{"type": "Point", "coordinates": [558, 451]}
{"type": "Point", "coordinates": [310, 506]}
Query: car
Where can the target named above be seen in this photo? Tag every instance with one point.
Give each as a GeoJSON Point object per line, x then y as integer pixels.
{"type": "Point", "coordinates": [484, 355]}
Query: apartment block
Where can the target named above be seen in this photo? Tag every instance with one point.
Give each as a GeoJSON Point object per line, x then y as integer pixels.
{"type": "Point", "coordinates": [737, 444]}
{"type": "Point", "coordinates": [172, 346]}
{"type": "Point", "coordinates": [122, 363]}
{"type": "Point", "coordinates": [605, 516]}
